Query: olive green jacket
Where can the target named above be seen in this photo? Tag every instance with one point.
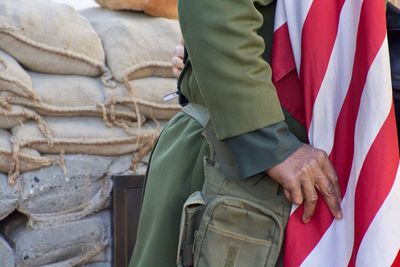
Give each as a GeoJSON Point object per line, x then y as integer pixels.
{"type": "Point", "coordinates": [229, 43]}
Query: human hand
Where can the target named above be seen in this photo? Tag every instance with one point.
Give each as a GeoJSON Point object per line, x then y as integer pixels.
{"type": "Point", "coordinates": [177, 60]}
{"type": "Point", "coordinates": [302, 173]}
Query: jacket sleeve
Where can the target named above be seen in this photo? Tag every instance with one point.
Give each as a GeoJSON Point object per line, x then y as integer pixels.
{"type": "Point", "coordinates": [262, 149]}
{"type": "Point", "coordinates": [226, 54]}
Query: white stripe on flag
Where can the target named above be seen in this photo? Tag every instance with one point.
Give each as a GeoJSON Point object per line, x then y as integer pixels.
{"type": "Point", "coordinates": [296, 15]}
{"type": "Point", "coordinates": [280, 15]}
{"type": "Point", "coordinates": [371, 116]}
{"type": "Point", "coordinates": [381, 242]}
{"type": "Point", "coordinates": [337, 79]}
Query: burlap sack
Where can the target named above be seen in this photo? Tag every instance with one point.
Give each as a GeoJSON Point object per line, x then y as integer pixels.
{"type": "Point", "coordinates": [69, 244]}
{"type": "Point", "coordinates": [15, 115]}
{"type": "Point", "coordinates": [13, 77]}
{"type": "Point", "coordinates": [136, 45]}
{"type": "Point", "coordinates": [7, 257]}
{"type": "Point", "coordinates": [148, 94]}
{"type": "Point", "coordinates": [27, 159]}
{"type": "Point", "coordinates": [9, 197]}
{"type": "Point", "coordinates": [50, 196]}
{"type": "Point", "coordinates": [156, 8]}
{"type": "Point", "coordinates": [103, 259]}
{"type": "Point", "coordinates": [71, 95]}
{"type": "Point", "coordinates": [84, 135]}
{"type": "Point", "coordinates": [50, 38]}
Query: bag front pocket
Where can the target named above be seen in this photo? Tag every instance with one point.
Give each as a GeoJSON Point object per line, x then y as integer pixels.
{"type": "Point", "coordinates": [191, 216]}
{"type": "Point", "coordinates": [235, 232]}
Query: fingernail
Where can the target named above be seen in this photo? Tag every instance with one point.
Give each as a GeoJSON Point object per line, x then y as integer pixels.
{"type": "Point", "coordinates": [339, 215]}
{"type": "Point", "coordinates": [306, 220]}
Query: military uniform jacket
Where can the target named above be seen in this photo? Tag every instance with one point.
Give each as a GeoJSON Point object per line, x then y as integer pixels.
{"type": "Point", "coordinates": [229, 43]}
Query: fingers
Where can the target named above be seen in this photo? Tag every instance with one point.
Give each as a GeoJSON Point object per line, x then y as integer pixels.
{"type": "Point", "coordinates": [310, 200]}
{"type": "Point", "coordinates": [305, 171]}
{"type": "Point", "coordinates": [178, 65]}
{"type": "Point", "coordinates": [287, 195]}
{"type": "Point", "coordinates": [177, 62]}
{"type": "Point", "coordinates": [179, 51]}
{"type": "Point", "coordinates": [296, 195]}
{"type": "Point", "coordinates": [330, 172]}
{"type": "Point", "coordinates": [328, 191]}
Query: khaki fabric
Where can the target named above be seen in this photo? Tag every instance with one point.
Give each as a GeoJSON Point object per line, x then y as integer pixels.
{"type": "Point", "coordinates": [72, 95]}
{"type": "Point", "coordinates": [26, 159]}
{"type": "Point", "coordinates": [148, 94]}
{"type": "Point", "coordinates": [13, 77]}
{"type": "Point", "coordinates": [50, 38]}
{"type": "Point", "coordinates": [83, 135]}
{"type": "Point", "coordinates": [237, 222]}
{"type": "Point", "coordinates": [136, 45]}
{"type": "Point", "coordinates": [156, 8]}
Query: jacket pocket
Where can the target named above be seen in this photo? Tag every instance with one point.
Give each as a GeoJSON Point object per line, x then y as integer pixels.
{"type": "Point", "coordinates": [235, 232]}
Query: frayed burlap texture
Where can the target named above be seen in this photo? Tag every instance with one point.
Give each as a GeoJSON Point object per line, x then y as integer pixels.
{"type": "Point", "coordinates": [7, 256]}
{"type": "Point", "coordinates": [9, 196]}
{"type": "Point", "coordinates": [136, 45]}
{"type": "Point", "coordinates": [156, 8]}
{"type": "Point", "coordinates": [13, 160]}
{"type": "Point", "coordinates": [83, 135]}
{"type": "Point", "coordinates": [50, 38]}
{"type": "Point", "coordinates": [13, 77]}
{"type": "Point", "coordinates": [147, 94]}
{"type": "Point", "coordinates": [68, 244]}
{"type": "Point", "coordinates": [72, 95]}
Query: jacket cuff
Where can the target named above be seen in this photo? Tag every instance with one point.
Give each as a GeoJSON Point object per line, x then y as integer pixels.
{"type": "Point", "coordinates": [260, 150]}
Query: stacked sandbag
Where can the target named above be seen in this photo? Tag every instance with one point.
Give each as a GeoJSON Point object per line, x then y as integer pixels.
{"type": "Point", "coordinates": [157, 8]}
{"type": "Point", "coordinates": [25, 159]}
{"type": "Point", "coordinates": [81, 100]}
{"type": "Point", "coordinates": [70, 95]}
{"type": "Point", "coordinates": [50, 38]}
{"type": "Point", "coordinates": [138, 52]}
{"type": "Point", "coordinates": [68, 244]}
{"type": "Point", "coordinates": [48, 196]}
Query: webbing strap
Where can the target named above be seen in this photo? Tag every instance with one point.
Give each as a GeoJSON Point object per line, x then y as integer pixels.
{"type": "Point", "coordinates": [197, 112]}
{"type": "Point", "coordinates": [219, 151]}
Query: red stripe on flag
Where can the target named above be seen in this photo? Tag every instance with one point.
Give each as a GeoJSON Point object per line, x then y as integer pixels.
{"type": "Point", "coordinates": [318, 38]}
{"type": "Point", "coordinates": [284, 74]}
{"type": "Point", "coordinates": [396, 263]}
{"type": "Point", "coordinates": [369, 41]}
{"type": "Point", "coordinates": [282, 53]}
{"type": "Point", "coordinates": [376, 180]}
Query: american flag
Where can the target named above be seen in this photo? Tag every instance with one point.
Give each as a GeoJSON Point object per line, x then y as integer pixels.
{"type": "Point", "coordinates": [331, 68]}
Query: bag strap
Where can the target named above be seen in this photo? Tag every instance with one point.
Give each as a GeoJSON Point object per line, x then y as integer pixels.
{"type": "Point", "coordinates": [197, 112]}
